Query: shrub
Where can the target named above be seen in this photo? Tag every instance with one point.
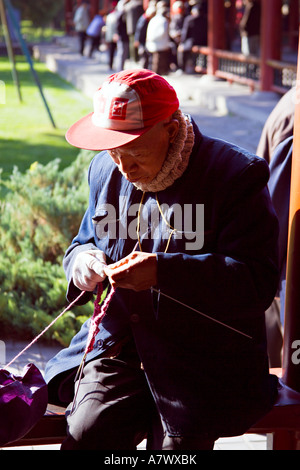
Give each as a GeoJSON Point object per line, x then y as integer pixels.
{"type": "Point", "coordinates": [39, 217]}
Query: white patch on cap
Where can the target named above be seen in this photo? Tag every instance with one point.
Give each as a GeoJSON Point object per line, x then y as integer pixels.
{"type": "Point", "coordinates": [117, 107]}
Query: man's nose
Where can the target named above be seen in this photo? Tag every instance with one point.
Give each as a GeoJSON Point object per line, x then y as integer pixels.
{"type": "Point", "coordinates": [126, 164]}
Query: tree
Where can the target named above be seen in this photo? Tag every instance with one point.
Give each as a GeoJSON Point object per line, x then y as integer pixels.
{"type": "Point", "coordinates": [40, 12]}
{"type": "Point", "coordinates": [39, 217]}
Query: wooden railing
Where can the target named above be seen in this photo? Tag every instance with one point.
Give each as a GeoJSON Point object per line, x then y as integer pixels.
{"type": "Point", "coordinates": [285, 75]}
{"type": "Point", "coordinates": [236, 67]}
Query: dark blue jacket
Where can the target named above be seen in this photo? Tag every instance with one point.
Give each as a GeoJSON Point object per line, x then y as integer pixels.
{"type": "Point", "coordinates": [204, 377]}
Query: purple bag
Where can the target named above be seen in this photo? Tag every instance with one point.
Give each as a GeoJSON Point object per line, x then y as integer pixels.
{"type": "Point", "coordinates": [23, 402]}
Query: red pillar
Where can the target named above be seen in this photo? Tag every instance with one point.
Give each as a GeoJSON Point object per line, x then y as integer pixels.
{"type": "Point", "coordinates": [291, 348]}
{"type": "Point", "coordinates": [293, 23]}
{"type": "Point", "coordinates": [216, 32]}
{"type": "Point", "coordinates": [68, 15]}
{"type": "Point", "coordinates": [271, 34]}
{"type": "Point", "coordinates": [94, 7]}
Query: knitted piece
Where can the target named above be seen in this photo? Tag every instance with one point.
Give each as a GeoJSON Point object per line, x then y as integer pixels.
{"type": "Point", "coordinates": [98, 315]}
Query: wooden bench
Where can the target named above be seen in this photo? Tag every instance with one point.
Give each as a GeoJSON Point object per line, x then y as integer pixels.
{"type": "Point", "coordinates": [51, 429]}
{"type": "Point", "coordinates": [281, 424]}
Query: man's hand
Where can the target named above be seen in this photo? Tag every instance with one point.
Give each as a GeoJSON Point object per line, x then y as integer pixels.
{"type": "Point", "coordinates": [88, 269]}
{"type": "Point", "coordinates": [138, 271]}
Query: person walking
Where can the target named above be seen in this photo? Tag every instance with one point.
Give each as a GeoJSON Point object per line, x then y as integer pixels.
{"type": "Point", "coordinates": [94, 32]}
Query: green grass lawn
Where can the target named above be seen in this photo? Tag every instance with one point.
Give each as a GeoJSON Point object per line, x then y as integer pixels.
{"type": "Point", "coordinates": [26, 132]}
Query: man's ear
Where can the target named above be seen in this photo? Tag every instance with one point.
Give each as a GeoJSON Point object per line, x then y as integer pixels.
{"type": "Point", "coordinates": [172, 128]}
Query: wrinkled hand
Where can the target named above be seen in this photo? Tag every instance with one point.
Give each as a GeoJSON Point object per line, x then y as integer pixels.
{"type": "Point", "coordinates": [138, 271]}
{"type": "Point", "coordinates": [88, 269]}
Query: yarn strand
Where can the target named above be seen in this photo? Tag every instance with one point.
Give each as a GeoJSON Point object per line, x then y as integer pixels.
{"type": "Point", "coordinates": [45, 329]}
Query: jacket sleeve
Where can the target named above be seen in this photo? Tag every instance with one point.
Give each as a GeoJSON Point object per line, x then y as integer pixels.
{"type": "Point", "coordinates": [83, 241]}
{"type": "Point", "coordinates": [240, 273]}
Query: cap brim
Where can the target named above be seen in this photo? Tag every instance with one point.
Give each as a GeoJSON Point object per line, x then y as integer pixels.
{"type": "Point", "coordinates": [85, 135]}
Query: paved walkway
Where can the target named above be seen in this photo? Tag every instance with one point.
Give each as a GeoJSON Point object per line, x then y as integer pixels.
{"type": "Point", "coordinates": [230, 112]}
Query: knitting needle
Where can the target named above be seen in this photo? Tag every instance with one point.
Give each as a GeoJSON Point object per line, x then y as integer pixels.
{"type": "Point", "coordinates": [79, 373]}
{"type": "Point", "coordinates": [203, 314]}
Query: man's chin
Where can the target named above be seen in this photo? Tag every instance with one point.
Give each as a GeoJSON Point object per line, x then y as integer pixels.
{"type": "Point", "coordinates": [140, 183]}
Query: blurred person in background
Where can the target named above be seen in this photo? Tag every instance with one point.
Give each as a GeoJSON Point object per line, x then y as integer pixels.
{"type": "Point", "coordinates": [158, 42]}
{"type": "Point", "coordinates": [176, 23]}
{"type": "Point", "coordinates": [140, 35]}
{"type": "Point", "coordinates": [122, 38]}
{"type": "Point", "coordinates": [250, 28]}
{"type": "Point", "coordinates": [111, 33]}
{"type": "Point", "coordinates": [194, 33]}
{"type": "Point", "coordinates": [133, 10]}
{"type": "Point", "coordinates": [81, 22]}
{"type": "Point", "coordinates": [94, 32]}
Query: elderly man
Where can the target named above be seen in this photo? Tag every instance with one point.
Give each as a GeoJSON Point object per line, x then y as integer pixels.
{"type": "Point", "coordinates": [180, 226]}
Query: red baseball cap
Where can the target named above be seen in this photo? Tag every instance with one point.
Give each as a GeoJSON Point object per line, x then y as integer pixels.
{"type": "Point", "coordinates": [128, 104]}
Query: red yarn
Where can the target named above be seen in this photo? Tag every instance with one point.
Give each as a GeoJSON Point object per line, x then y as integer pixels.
{"type": "Point", "coordinates": [98, 315]}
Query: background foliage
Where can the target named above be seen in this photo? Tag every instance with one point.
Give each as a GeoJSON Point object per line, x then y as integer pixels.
{"type": "Point", "coordinates": [44, 196]}
{"type": "Point", "coordinates": [41, 12]}
{"type": "Point", "coordinates": [39, 217]}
